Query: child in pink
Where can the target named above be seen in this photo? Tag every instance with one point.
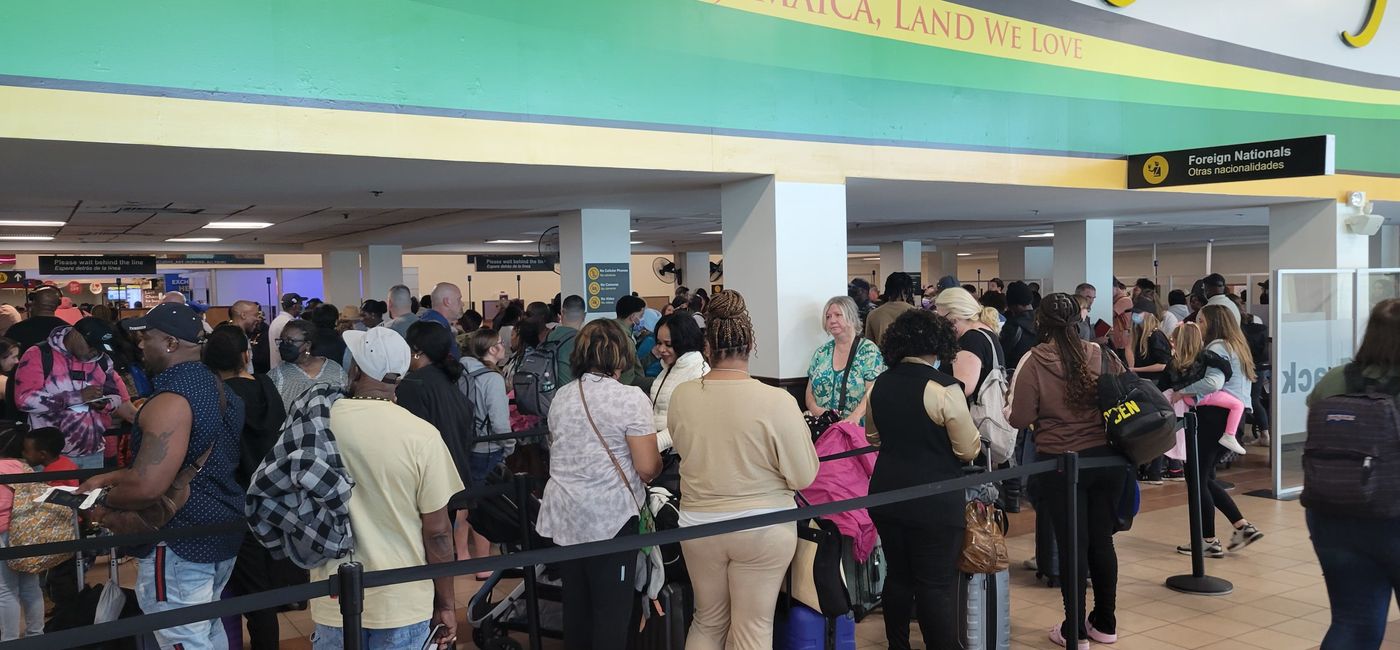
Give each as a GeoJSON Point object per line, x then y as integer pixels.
{"type": "Point", "coordinates": [1225, 400]}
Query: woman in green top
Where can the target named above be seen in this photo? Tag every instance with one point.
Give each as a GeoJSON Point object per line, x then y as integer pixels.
{"type": "Point", "coordinates": [1360, 558]}
{"type": "Point", "coordinates": [841, 320]}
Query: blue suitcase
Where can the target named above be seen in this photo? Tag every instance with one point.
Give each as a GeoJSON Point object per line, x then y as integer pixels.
{"type": "Point", "coordinates": [803, 628]}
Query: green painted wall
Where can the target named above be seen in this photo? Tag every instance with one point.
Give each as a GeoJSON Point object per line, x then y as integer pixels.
{"type": "Point", "coordinates": [654, 62]}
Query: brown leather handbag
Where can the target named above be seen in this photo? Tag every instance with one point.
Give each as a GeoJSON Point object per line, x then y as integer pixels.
{"type": "Point", "coordinates": [984, 545]}
{"type": "Point", "coordinates": [155, 516]}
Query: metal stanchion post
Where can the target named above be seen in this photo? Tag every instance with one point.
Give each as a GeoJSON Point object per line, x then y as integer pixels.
{"type": "Point", "coordinates": [351, 594]}
{"type": "Point", "coordinates": [532, 601]}
{"type": "Point", "coordinates": [1069, 464]}
{"type": "Point", "coordinates": [1197, 582]}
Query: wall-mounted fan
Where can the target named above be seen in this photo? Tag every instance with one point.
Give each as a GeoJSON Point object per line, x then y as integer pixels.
{"type": "Point", "coordinates": [716, 271]}
{"type": "Point", "coordinates": [665, 270]}
{"type": "Point", "coordinates": [549, 247]}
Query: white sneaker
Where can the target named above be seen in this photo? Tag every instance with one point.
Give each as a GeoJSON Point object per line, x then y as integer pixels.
{"type": "Point", "coordinates": [1229, 442]}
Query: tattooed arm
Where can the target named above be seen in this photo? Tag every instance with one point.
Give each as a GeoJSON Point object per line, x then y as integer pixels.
{"type": "Point", "coordinates": [165, 435]}
{"type": "Point", "coordinates": [437, 542]}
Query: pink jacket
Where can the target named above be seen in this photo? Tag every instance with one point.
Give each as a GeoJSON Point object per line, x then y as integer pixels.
{"type": "Point", "coordinates": [847, 478]}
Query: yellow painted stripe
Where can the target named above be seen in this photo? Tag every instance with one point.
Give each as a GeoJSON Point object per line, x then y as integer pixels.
{"type": "Point", "coordinates": [62, 115]}
{"type": "Point", "coordinates": [891, 19]}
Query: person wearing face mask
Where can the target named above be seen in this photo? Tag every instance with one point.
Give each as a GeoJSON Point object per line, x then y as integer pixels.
{"type": "Point", "coordinates": [69, 382]}
{"type": "Point", "coordinates": [300, 370]}
{"type": "Point", "coordinates": [926, 434]}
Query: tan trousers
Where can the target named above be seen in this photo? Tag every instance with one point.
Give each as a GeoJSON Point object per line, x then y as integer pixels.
{"type": "Point", "coordinates": [736, 578]}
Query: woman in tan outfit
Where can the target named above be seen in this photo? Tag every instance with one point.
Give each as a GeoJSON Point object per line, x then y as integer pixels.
{"type": "Point", "coordinates": [744, 450]}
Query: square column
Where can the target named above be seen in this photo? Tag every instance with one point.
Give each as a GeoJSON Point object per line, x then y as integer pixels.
{"type": "Point", "coordinates": [1314, 235]}
{"type": "Point", "coordinates": [900, 256]}
{"type": "Point", "coordinates": [785, 251]}
{"type": "Point", "coordinates": [695, 269]}
{"type": "Point", "coordinates": [1011, 262]}
{"type": "Point", "coordinates": [942, 261]}
{"type": "Point", "coordinates": [1084, 253]}
{"type": "Point", "coordinates": [596, 240]}
{"type": "Point", "coordinates": [1039, 266]}
{"type": "Point", "coordinates": [340, 275]}
{"type": "Point", "coordinates": [382, 269]}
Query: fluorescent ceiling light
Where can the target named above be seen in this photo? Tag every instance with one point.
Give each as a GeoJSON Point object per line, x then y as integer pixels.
{"type": "Point", "coordinates": [636, 242]}
{"type": "Point", "coordinates": [26, 238]}
{"type": "Point", "coordinates": [633, 230]}
{"type": "Point", "coordinates": [964, 254]}
{"type": "Point", "coordinates": [510, 241]}
{"type": "Point", "coordinates": [238, 225]}
{"type": "Point", "coordinates": [713, 232]}
{"type": "Point", "coordinates": [36, 224]}
{"type": "Point", "coordinates": [194, 240]}
{"type": "Point", "coordinates": [870, 259]}
{"type": "Point", "coordinates": [1038, 235]}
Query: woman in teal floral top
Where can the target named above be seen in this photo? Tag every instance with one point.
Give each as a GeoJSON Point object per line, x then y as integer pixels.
{"type": "Point", "coordinates": [841, 320]}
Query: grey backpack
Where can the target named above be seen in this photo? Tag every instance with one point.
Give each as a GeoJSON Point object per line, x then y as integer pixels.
{"type": "Point", "coordinates": [1351, 460]}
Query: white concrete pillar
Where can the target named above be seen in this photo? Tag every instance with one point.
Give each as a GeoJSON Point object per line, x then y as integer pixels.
{"type": "Point", "coordinates": [340, 275]}
{"type": "Point", "coordinates": [1385, 248]}
{"type": "Point", "coordinates": [785, 251]}
{"type": "Point", "coordinates": [1011, 262]}
{"type": "Point", "coordinates": [1084, 253]}
{"type": "Point", "coordinates": [596, 239]}
{"type": "Point", "coordinates": [695, 269]}
{"type": "Point", "coordinates": [900, 256]}
{"type": "Point", "coordinates": [1314, 235]}
{"type": "Point", "coordinates": [1039, 266]}
{"type": "Point", "coordinates": [382, 268]}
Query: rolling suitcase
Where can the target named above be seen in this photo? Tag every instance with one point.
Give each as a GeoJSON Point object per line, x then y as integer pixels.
{"type": "Point", "coordinates": [984, 607]}
{"type": "Point", "coordinates": [804, 628]}
{"type": "Point", "coordinates": [666, 631]}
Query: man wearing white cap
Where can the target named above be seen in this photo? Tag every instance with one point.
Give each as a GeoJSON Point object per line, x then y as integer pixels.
{"type": "Point", "coordinates": [403, 484]}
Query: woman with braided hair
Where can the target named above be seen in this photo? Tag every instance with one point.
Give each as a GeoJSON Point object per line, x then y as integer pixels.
{"type": "Point", "coordinates": [745, 449]}
{"type": "Point", "coordinates": [1055, 389]}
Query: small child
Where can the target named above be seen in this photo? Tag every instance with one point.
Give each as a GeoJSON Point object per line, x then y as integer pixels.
{"type": "Point", "coordinates": [21, 601]}
{"type": "Point", "coordinates": [43, 449]}
{"type": "Point", "coordinates": [1190, 360]}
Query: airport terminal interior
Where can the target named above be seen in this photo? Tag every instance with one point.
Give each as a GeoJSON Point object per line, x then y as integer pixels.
{"type": "Point", "coordinates": [789, 151]}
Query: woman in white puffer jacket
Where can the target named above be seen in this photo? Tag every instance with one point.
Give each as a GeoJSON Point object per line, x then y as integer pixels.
{"type": "Point", "coordinates": [680, 345]}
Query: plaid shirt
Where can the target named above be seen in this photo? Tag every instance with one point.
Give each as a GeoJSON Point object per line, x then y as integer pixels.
{"type": "Point", "coordinates": [298, 503]}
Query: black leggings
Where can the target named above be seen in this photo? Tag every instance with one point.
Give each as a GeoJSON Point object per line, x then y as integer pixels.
{"type": "Point", "coordinates": [600, 598]}
{"type": "Point", "coordinates": [1099, 492]}
{"type": "Point", "coordinates": [1260, 403]}
{"type": "Point", "coordinates": [923, 575]}
{"type": "Point", "coordinates": [1211, 426]}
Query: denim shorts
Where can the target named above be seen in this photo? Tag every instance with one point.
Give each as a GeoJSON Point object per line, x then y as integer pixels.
{"type": "Point", "coordinates": [408, 637]}
{"type": "Point", "coordinates": [482, 464]}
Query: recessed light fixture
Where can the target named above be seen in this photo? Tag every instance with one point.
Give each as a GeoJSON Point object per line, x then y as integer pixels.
{"type": "Point", "coordinates": [509, 241]}
{"type": "Point", "coordinates": [964, 254]}
{"type": "Point", "coordinates": [238, 225]}
{"type": "Point", "coordinates": [1038, 235]}
{"type": "Point", "coordinates": [19, 223]}
{"type": "Point", "coordinates": [26, 238]}
{"type": "Point", "coordinates": [194, 240]}
{"type": "Point", "coordinates": [636, 242]}
{"type": "Point", "coordinates": [713, 232]}
{"type": "Point", "coordinates": [633, 230]}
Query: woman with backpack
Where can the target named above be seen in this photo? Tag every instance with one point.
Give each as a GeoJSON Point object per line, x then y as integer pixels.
{"type": "Point", "coordinates": [1056, 390]}
{"type": "Point", "coordinates": [21, 600]}
{"type": "Point", "coordinates": [1360, 555]}
{"type": "Point", "coordinates": [978, 340]}
{"type": "Point", "coordinates": [486, 388]}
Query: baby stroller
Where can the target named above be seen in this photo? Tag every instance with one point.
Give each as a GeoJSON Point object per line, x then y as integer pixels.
{"type": "Point", "coordinates": [497, 518]}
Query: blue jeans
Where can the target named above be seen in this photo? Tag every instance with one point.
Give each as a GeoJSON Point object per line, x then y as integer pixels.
{"type": "Point", "coordinates": [166, 581]}
{"type": "Point", "coordinates": [1360, 561]}
{"type": "Point", "coordinates": [90, 461]}
{"type": "Point", "coordinates": [21, 601]}
{"type": "Point", "coordinates": [482, 464]}
{"type": "Point", "coordinates": [408, 637]}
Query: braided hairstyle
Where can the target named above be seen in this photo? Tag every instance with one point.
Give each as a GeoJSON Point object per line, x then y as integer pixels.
{"type": "Point", "coordinates": [1057, 320]}
{"type": "Point", "coordinates": [728, 329]}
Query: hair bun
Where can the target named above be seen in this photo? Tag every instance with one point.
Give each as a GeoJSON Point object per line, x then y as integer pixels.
{"type": "Point", "coordinates": [727, 304]}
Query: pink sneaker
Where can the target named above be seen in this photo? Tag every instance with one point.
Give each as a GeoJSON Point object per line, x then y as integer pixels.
{"type": "Point", "coordinates": [1058, 638]}
{"type": "Point", "coordinates": [1098, 636]}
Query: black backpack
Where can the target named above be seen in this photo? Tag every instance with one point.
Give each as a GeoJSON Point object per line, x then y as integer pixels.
{"type": "Point", "coordinates": [537, 378]}
{"type": "Point", "coordinates": [1140, 420]}
{"type": "Point", "coordinates": [1351, 460]}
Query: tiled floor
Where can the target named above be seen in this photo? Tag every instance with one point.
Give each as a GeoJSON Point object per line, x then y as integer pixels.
{"type": "Point", "coordinates": [1279, 602]}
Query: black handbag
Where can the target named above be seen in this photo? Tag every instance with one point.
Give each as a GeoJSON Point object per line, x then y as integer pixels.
{"type": "Point", "coordinates": [816, 577]}
{"type": "Point", "coordinates": [1141, 422]}
{"type": "Point", "coordinates": [819, 424]}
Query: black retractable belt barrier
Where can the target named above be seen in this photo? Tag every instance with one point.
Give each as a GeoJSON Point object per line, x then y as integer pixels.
{"type": "Point", "coordinates": [350, 592]}
{"type": "Point", "coordinates": [45, 477]}
{"type": "Point", "coordinates": [1069, 465]}
{"type": "Point", "coordinates": [1197, 582]}
{"type": "Point", "coordinates": [114, 541]}
{"type": "Point", "coordinates": [532, 599]}
{"type": "Point", "coordinates": [353, 589]}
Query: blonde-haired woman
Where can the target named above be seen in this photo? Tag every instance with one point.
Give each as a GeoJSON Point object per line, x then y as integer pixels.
{"type": "Point", "coordinates": [745, 450]}
{"type": "Point", "coordinates": [827, 377]}
{"type": "Point", "coordinates": [979, 343]}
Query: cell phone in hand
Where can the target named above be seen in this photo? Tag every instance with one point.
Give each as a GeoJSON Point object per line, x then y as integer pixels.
{"type": "Point", "coordinates": [68, 496]}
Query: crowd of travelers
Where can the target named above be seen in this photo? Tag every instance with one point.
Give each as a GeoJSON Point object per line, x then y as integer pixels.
{"type": "Point", "coordinates": [346, 434]}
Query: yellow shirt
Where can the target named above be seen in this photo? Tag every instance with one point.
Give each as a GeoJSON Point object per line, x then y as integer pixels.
{"type": "Point", "coordinates": [743, 445]}
{"type": "Point", "coordinates": [402, 470]}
